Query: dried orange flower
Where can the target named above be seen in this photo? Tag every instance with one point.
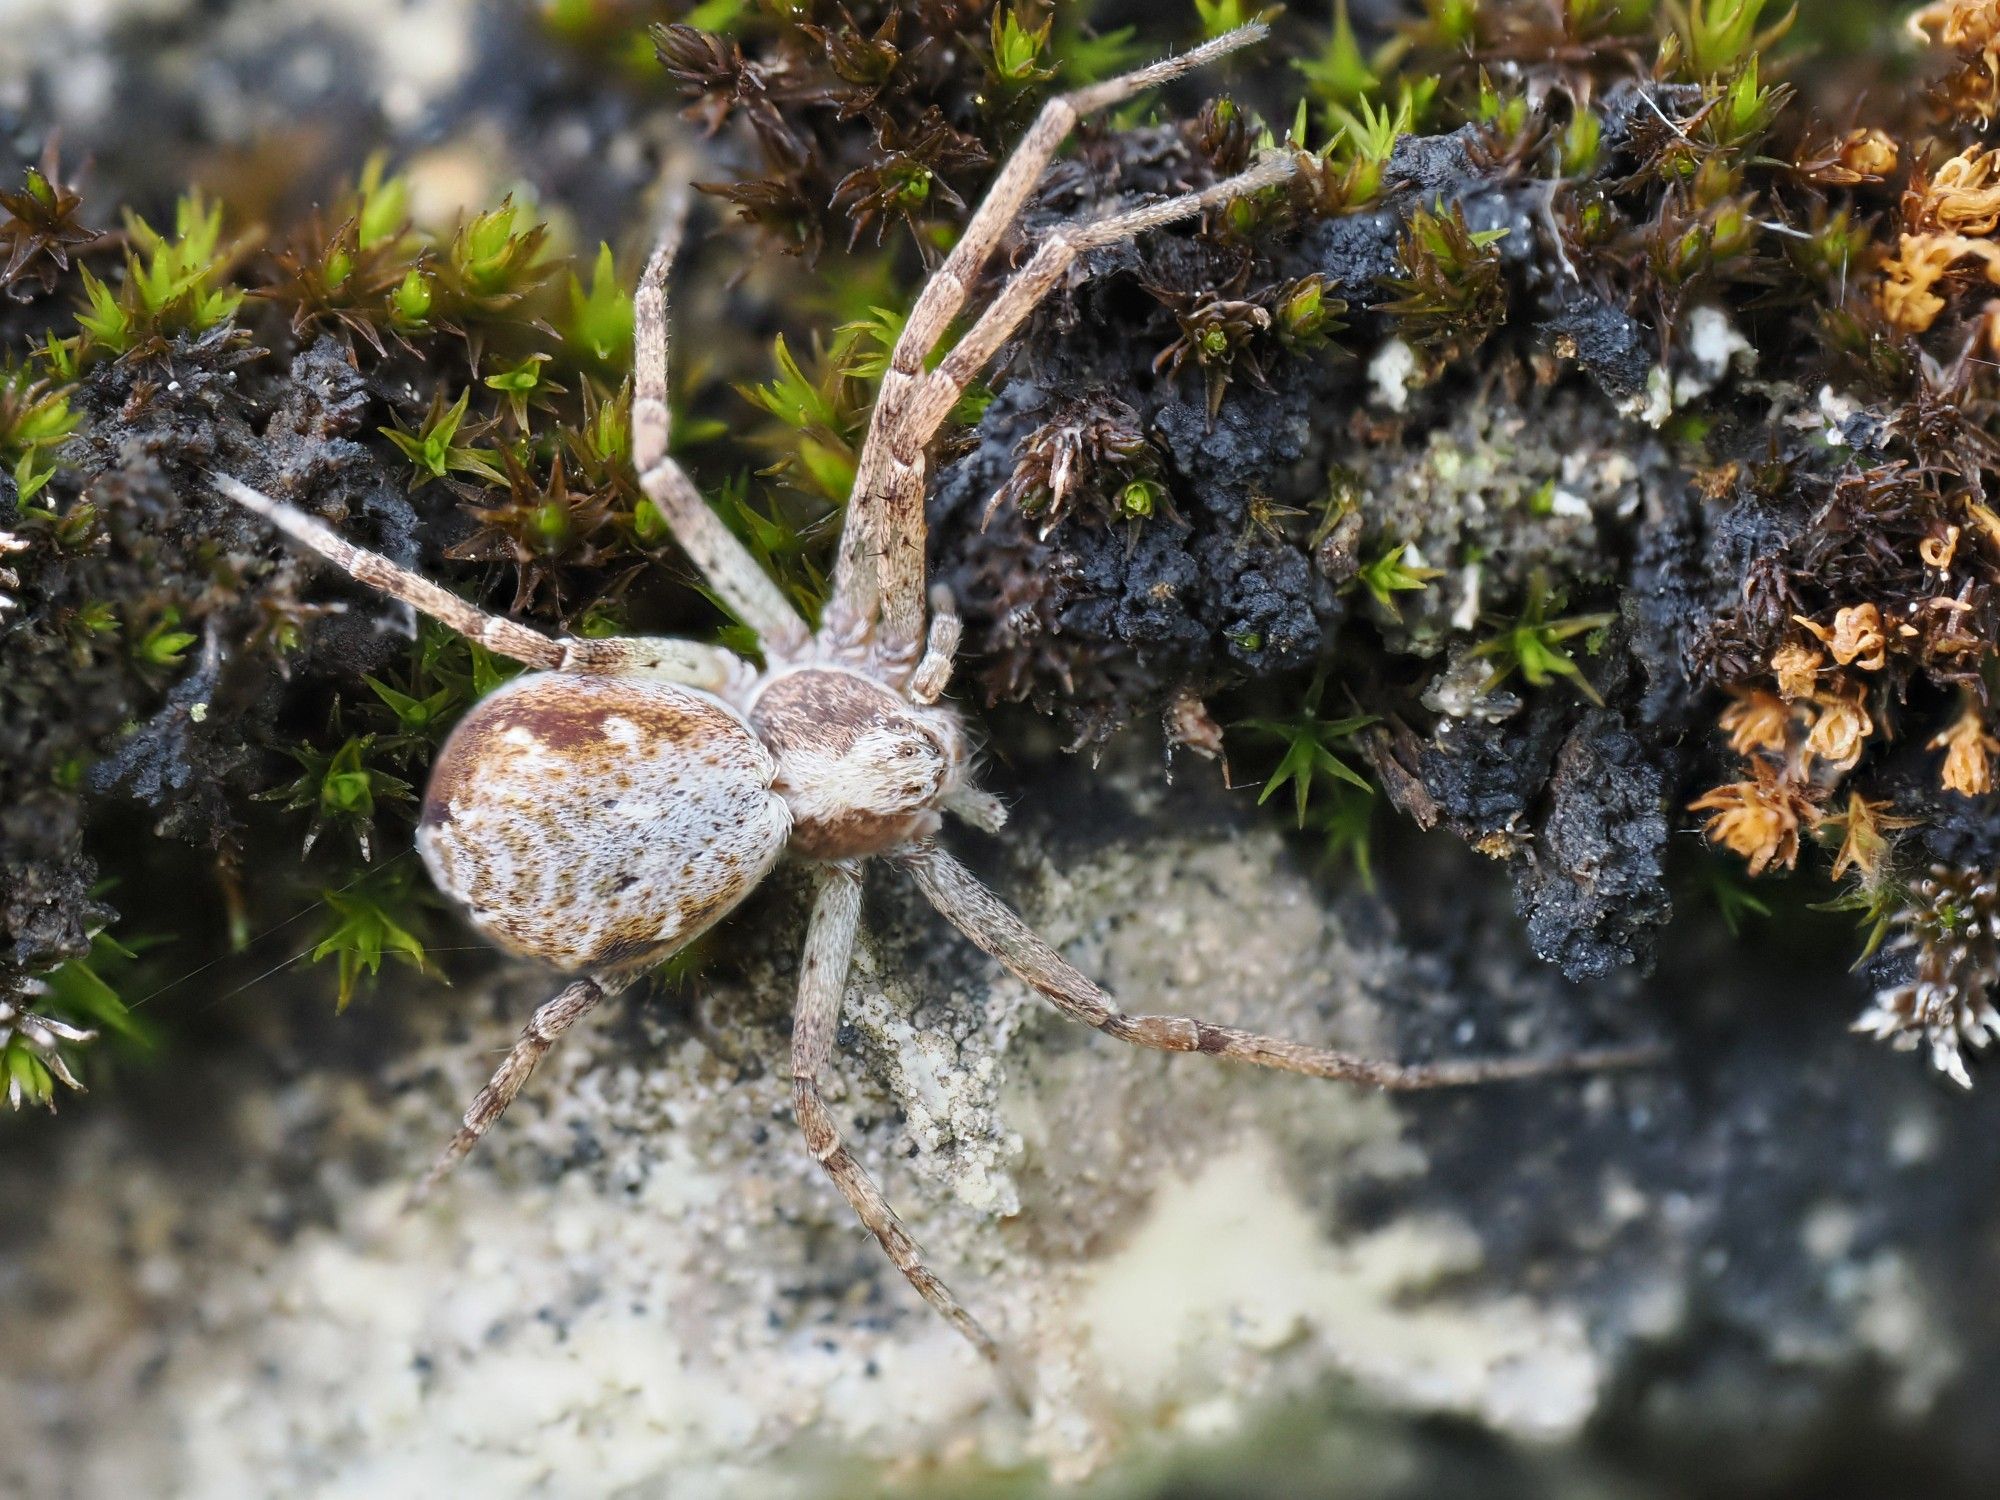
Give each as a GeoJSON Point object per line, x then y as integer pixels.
{"type": "Point", "coordinates": [1868, 152]}
{"type": "Point", "coordinates": [1863, 826]}
{"type": "Point", "coordinates": [1718, 483]}
{"type": "Point", "coordinates": [1756, 720]}
{"type": "Point", "coordinates": [1856, 637]}
{"type": "Point", "coordinates": [1968, 25]}
{"type": "Point", "coordinates": [1961, 197]}
{"type": "Point", "coordinates": [1797, 669]}
{"type": "Point", "coordinates": [1938, 551]}
{"type": "Point", "coordinates": [1841, 731]}
{"type": "Point", "coordinates": [1972, 28]}
{"type": "Point", "coordinates": [1968, 751]}
{"type": "Point", "coordinates": [1757, 819]}
{"type": "Point", "coordinates": [1908, 295]}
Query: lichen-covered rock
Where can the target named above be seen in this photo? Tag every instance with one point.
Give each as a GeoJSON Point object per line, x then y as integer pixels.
{"type": "Point", "coordinates": [1595, 889]}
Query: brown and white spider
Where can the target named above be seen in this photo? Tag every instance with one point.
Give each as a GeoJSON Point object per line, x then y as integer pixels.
{"type": "Point", "coordinates": [599, 812]}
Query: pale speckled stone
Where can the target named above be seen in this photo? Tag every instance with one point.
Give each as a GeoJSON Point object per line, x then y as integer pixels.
{"type": "Point", "coordinates": [686, 1297]}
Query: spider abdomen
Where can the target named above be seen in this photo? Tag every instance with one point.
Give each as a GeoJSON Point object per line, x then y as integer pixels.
{"type": "Point", "coordinates": [600, 823]}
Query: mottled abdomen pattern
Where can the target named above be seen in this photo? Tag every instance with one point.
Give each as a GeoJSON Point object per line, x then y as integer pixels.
{"type": "Point", "coordinates": [600, 823]}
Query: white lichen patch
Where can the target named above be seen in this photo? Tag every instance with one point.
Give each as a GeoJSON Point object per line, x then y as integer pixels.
{"type": "Point", "coordinates": [9, 543]}
{"type": "Point", "coordinates": [1835, 410]}
{"type": "Point", "coordinates": [1495, 495]}
{"type": "Point", "coordinates": [1712, 347]}
{"type": "Point", "coordinates": [1230, 1272]}
{"type": "Point", "coordinates": [1390, 373]}
{"type": "Point", "coordinates": [947, 1091]}
{"type": "Point", "coordinates": [1715, 345]}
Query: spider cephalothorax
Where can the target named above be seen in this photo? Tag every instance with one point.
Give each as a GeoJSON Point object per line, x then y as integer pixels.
{"type": "Point", "coordinates": [862, 769]}
{"type": "Point", "coordinates": [602, 810]}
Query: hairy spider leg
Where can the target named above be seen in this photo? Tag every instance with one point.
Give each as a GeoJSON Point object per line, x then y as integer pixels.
{"type": "Point", "coordinates": [544, 1029]}
{"type": "Point", "coordinates": [836, 917]}
{"type": "Point", "coordinates": [690, 662]}
{"type": "Point", "coordinates": [742, 585]}
{"type": "Point", "coordinates": [997, 931]}
{"type": "Point", "coordinates": [880, 569]}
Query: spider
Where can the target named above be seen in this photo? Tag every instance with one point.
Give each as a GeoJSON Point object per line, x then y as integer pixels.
{"type": "Point", "coordinates": [600, 811]}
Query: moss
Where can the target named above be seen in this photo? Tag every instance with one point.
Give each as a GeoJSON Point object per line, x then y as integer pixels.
{"type": "Point", "coordinates": [1315, 445]}
{"type": "Point", "coordinates": [455, 394]}
{"type": "Point", "coordinates": [160, 651]}
{"type": "Point", "coordinates": [1697, 189]}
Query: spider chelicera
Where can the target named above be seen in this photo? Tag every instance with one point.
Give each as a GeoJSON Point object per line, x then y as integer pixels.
{"type": "Point", "coordinates": [601, 810]}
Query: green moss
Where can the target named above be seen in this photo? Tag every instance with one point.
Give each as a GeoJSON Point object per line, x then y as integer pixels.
{"type": "Point", "coordinates": [494, 357]}
{"type": "Point", "coordinates": [174, 283]}
{"type": "Point", "coordinates": [1339, 74]}
{"type": "Point", "coordinates": [1718, 36]}
{"type": "Point", "coordinates": [375, 917]}
{"type": "Point", "coordinates": [1452, 292]}
{"type": "Point", "coordinates": [1535, 645]}
{"type": "Point", "coordinates": [1387, 575]}
{"type": "Point", "coordinates": [1308, 759]}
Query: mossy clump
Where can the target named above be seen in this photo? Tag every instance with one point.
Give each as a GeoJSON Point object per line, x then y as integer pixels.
{"type": "Point", "coordinates": [1585, 447]}
{"type": "Point", "coordinates": [454, 393]}
{"type": "Point", "coordinates": [1610, 233]}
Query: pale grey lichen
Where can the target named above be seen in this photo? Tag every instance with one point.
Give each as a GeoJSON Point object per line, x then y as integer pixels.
{"type": "Point", "coordinates": [1502, 493]}
{"type": "Point", "coordinates": [643, 1285]}
{"type": "Point", "coordinates": [1712, 348]}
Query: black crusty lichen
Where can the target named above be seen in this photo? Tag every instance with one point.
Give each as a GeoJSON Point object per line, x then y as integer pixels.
{"type": "Point", "coordinates": [1586, 449]}
{"type": "Point", "coordinates": [1661, 418]}
{"type": "Point", "coordinates": [1602, 415]}
{"type": "Point", "coordinates": [1442, 503]}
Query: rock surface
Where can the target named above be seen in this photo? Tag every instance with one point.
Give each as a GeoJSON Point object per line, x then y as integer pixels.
{"type": "Point", "coordinates": [641, 1285]}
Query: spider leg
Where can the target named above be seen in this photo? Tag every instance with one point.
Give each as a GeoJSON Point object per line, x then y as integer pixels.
{"type": "Point", "coordinates": [938, 391]}
{"type": "Point", "coordinates": [982, 810]}
{"type": "Point", "coordinates": [744, 588]}
{"type": "Point", "coordinates": [680, 661]}
{"type": "Point", "coordinates": [662, 657]}
{"type": "Point", "coordinates": [929, 400]}
{"type": "Point", "coordinates": [997, 931]}
{"type": "Point", "coordinates": [822, 981]}
{"type": "Point", "coordinates": [933, 674]}
{"type": "Point", "coordinates": [507, 637]}
{"type": "Point", "coordinates": [878, 510]}
{"type": "Point", "coordinates": [545, 1027]}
